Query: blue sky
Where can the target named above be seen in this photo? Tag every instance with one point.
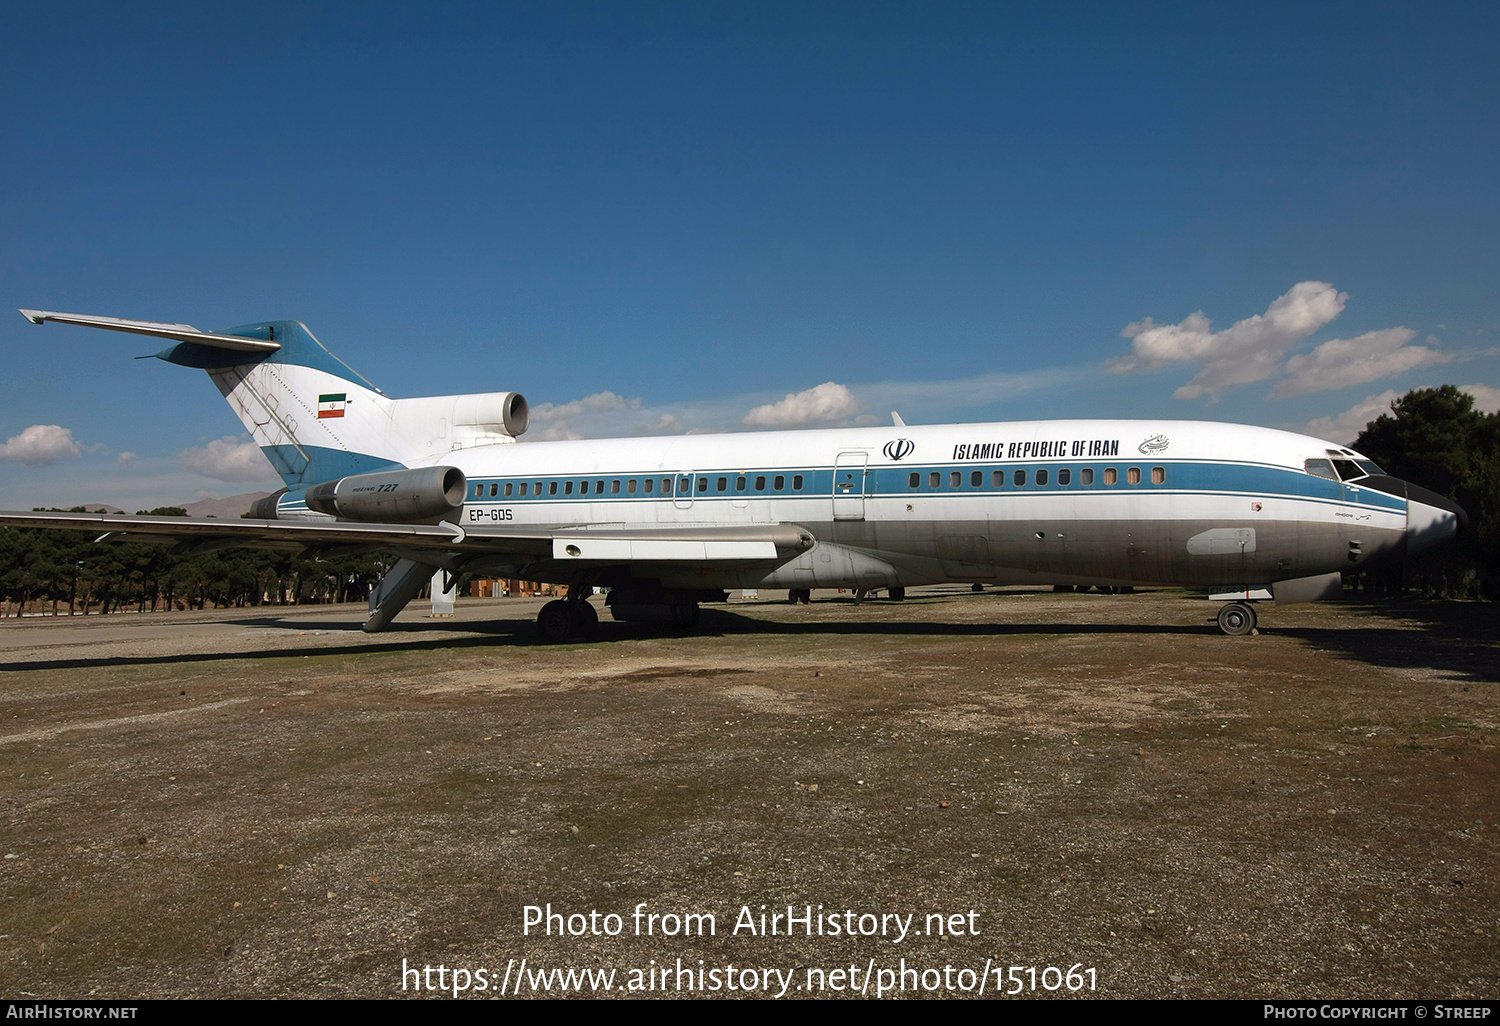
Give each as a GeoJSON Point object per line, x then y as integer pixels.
{"type": "Point", "coordinates": [669, 216]}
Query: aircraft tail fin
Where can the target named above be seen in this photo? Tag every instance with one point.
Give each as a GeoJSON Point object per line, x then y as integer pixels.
{"type": "Point", "coordinates": [315, 417]}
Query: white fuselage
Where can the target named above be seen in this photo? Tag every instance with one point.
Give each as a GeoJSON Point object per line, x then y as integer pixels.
{"type": "Point", "coordinates": [1192, 503]}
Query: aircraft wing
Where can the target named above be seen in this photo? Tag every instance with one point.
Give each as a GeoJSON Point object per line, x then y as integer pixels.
{"type": "Point", "coordinates": [713, 546]}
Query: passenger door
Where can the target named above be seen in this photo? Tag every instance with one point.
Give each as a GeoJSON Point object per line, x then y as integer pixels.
{"type": "Point", "coordinates": [849, 473]}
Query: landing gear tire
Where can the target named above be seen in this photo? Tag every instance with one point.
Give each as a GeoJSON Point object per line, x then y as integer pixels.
{"type": "Point", "coordinates": [685, 614]}
{"type": "Point", "coordinates": [1236, 619]}
{"type": "Point", "coordinates": [897, 594]}
{"type": "Point", "coordinates": [585, 618]}
{"type": "Point", "coordinates": [801, 595]}
{"type": "Point", "coordinates": [557, 621]}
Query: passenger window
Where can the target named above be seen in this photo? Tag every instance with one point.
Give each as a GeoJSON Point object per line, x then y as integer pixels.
{"type": "Point", "coordinates": [1064, 476]}
{"type": "Point", "coordinates": [997, 478]}
{"type": "Point", "coordinates": [779, 483]}
{"type": "Point", "coordinates": [614, 487]}
{"type": "Point", "coordinates": [1158, 475]}
{"type": "Point", "coordinates": [1018, 478]}
{"type": "Point", "coordinates": [702, 485]}
{"type": "Point", "coordinates": [507, 489]}
{"type": "Point", "coordinates": [1086, 476]}
{"type": "Point", "coordinates": [1111, 475]}
{"type": "Point", "coordinates": [915, 480]}
{"type": "Point", "coordinates": [796, 482]}
{"type": "Point", "coordinates": [523, 487]}
{"type": "Point", "coordinates": [649, 483]}
{"type": "Point", "coordinates": [494, 490]}
{"type": "Point", "coordinates": [976, 479]}
{"type": "Point", "coordinates": [551, 487]}
{"type": "Point", "coordinates": [630, 487]}
{"type": "Point", "coordinates": [760, 483]}
{"type": "Point", "coordinates": [538, 489]}
{"type": "Point", "coordinates": [1133, 475]}
{"type": "Point", "coordinates": [723, 483]}
{"type": "Point", "coordinates": [478, 490]}
{"type": "Point", "coordinates": [666, 484]}
{"type": "Point", "coordinates": [955, 478]}
{"type": "Point", "coordinates": [567, 487]}
{"type": "Point", "coordinates": [934, 480]}
{"type": "Point", "coordinates": [1041, 477]}
{"type": "Point", "coordinates": [598, 487]}
{"type": "Point", "coordinates": [740, 483]}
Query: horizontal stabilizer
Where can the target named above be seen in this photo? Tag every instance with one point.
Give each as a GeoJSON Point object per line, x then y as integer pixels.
{"type": "Point", "coordinates": [176, 332]}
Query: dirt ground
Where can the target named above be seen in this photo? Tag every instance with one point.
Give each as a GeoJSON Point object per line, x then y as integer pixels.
{"type": "Point", "coordinates": [270, 803]}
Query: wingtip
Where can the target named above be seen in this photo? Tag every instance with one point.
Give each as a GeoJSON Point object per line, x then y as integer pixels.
{"type": "Point", "coordinates": [34, 316]}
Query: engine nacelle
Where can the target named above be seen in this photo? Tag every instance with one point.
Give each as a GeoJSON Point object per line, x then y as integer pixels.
{"type": "Point", "coordinates": [391, 496]}
{"type": "Point", "coordinates": [463, 421]}
{"type": "Point", "coordinates": [504, 412]}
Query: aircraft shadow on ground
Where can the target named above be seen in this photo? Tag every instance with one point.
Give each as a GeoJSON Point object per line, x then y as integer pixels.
{"type": "Point", "coordinates": [1459, 638]}
{"type": "Point", "coordinates": [522, 633]}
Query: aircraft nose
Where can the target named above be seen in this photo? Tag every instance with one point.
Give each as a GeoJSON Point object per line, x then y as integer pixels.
{"type": "Point", "coordinates": [1431, 519]}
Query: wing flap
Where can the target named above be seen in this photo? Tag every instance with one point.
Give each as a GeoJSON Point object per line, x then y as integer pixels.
{"type": "Point", "coordinates": [659, 550]}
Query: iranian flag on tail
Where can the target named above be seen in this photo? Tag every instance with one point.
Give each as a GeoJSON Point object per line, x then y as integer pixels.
{"type": "Point", "coordinates": [331, 405]}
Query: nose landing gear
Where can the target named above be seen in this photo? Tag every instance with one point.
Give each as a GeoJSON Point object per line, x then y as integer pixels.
{"type": "Point", "coordinates": [1237, 618]}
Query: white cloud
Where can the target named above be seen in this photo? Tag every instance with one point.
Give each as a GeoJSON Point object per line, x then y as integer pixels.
{"type": "Point", "coordinates": [828, 401]}
{"type": "Point", "coordinates": [228, 459]}
{"type": "Point", "coordinates": [666, 424]}
{"type": "Point", "coordinates": [607, 415]}
{"type": "Point", "coordinates": [41, 445]}
{"type": "Point", "coordinates": [555, 421]}
{"type": "Point", "coordinates": [1341, 362]}
{"type": "Point", "coordinates": [125, 459]}
{"type": "Point", "coordinates": [1486, 399]}
{"type": "Point", "coordinates": [1345, 426]}
{"type": "Point", "coordinates": [1249, 350]}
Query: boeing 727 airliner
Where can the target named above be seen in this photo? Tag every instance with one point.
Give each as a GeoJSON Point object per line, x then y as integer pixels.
{"type": "Point", "coordinates": [1245, 513]}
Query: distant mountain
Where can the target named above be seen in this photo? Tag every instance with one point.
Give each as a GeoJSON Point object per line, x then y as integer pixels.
{"type": "Point", "coordinates": [231, 508]}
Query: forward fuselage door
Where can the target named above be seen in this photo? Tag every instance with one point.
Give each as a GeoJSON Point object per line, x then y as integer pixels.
{"type": "Point", "coordinates": [849, 472]}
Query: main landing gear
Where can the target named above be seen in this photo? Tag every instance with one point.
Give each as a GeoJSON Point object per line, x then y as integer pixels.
{"type": "Point", "coordinates": [1237, 618]}
{"type": "Point", "coordinates": [562, 619]}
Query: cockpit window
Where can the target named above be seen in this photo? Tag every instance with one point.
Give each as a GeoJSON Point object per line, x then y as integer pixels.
{"type": "Point", "coordinates": [1320, 468]}
{"type": "Point", "coordinates": [1350, 464]}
